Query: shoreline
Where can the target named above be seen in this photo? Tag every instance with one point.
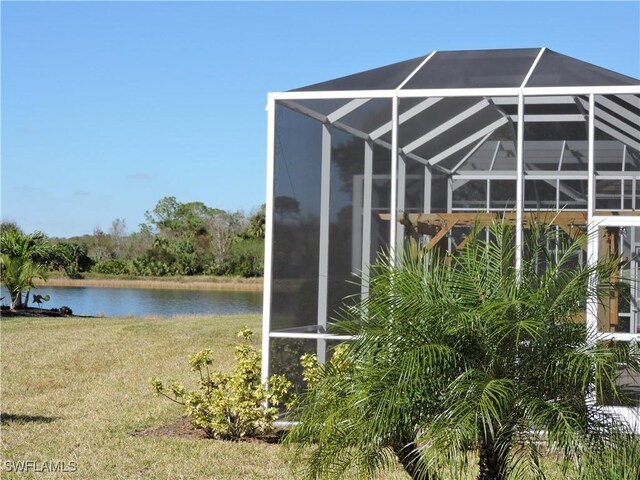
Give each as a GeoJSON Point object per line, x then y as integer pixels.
{"type": "Point", "coordinates": [245, 285]}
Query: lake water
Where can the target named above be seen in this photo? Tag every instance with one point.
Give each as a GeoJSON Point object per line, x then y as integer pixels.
{"type": "Point", "coordinates": [140, 301]}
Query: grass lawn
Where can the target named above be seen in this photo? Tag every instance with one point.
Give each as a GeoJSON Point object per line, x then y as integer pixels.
{"type": "Point", "coordinates": [75, 389]}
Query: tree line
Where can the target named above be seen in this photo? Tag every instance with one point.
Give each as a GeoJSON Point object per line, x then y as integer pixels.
{"type": "Point", "coordinates": [176, 238]}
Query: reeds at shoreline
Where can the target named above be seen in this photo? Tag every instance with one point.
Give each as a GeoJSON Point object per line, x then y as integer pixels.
{"type": "Point", "coordinates": [181, 283]}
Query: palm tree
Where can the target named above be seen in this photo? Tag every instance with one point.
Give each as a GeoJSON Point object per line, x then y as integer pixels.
{"type": "Point", "coordinates": [22, 259]}
{"type": "Point", "coordinates": [465, 359]}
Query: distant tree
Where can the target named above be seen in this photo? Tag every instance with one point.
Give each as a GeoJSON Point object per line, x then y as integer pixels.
{"type": "Point", "coordinates": [257, 222]}
{"type": "Point", "coordinates": [23, 258]}
{"type": "Point", "coordinates": [189, 231]}
{"type": "Point", "coordinates": [224, 228]}
{"type": "Point", "coordinates": [118, 227]}
{"type": "Point", "coordinates": [118, 232]}
{"type": "Point", "coordinates": [171, 218]}
{"type": "Point", "coordinates": [101, 247]}
{"type": "Point", "coordinates": [138, 243]}
{"type": "Point", "coordinates": [162, 217]}
{"type": "Point", "coordinates": [176, 238]}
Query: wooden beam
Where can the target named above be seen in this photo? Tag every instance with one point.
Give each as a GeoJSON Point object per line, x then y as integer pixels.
{"type": "Point", "coordinates": [463, 243]}
{"type": "Point", "coordinates": [439, 224]}
{"type": "Point", "coordinates": [576, 219]}
{"type": "Point", "coordinates": [440, 235]}
{"type": "Point", "coordinates": [611, 238]}
{"type": "Point", "coordinates": [469, 219]}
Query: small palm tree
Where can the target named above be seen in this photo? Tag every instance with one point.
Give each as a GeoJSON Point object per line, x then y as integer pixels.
{"type": "Point", "coordinates": [22, 259]}
{"type": "Point", "coordinates": [464, 360]}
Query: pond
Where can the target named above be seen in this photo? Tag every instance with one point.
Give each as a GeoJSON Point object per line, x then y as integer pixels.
{"type": "Point", "coordinates": [111, 302]}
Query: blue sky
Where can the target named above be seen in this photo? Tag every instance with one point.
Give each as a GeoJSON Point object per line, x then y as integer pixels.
{"type": "Point", "coordinates": [108, 107]}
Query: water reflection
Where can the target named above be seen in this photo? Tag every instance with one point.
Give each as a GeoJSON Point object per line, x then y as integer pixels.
{"type": "Point", "coordinates": [138, 302]}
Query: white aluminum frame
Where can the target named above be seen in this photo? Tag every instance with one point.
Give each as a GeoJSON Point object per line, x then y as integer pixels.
{"type": "Point", "coordinates": [393, 228]}
{"type": "Point", "coordinates": [366, 215]}
{"type": "Point", "coordinates": [468, 140]}
{"type": "Point", "coordinates": [443, 127]}
{"type": "Point", "coordinates": [458, 92]}
{"type": "Point", "coordinates": [268, 238]}
{"type": "Point", "coordinates": [323, 254]}
{"type": "Point", "coordinates": [593, 244]}
{"type": "Point", "coordinates": [519, 182]}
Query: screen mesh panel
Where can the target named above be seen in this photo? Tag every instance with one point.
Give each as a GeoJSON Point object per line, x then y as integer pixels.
{"type": "Point", "coordinates": [475, 69]}
{"type": "Point", "coordinates": [383, 78]}
{"type": "Point", "coordinates": [556, 70]}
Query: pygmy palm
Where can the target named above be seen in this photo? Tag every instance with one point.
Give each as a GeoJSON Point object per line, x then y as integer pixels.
{"type": "Point", "coordinates": [466, 359]}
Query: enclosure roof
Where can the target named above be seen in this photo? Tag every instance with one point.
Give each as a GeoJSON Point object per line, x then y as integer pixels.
{"type": "Point", "coordinates": [479, 69]}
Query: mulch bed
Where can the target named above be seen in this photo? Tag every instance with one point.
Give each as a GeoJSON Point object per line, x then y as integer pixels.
{"type": "Point", "coordinates": [182, 428]}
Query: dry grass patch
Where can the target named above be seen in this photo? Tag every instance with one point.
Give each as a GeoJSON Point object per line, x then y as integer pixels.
{"type": "Point", "coordinates": [199, 282]}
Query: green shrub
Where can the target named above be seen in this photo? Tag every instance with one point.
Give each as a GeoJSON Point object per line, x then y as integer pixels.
{"type": "Point", "coordinates": [312, 368]}
{"type": "Point", "coordinates": [229, 405]}
{"type": "Point", "coordinates": [112, 266]}
{"type": "Point", "coordinates": [168, 257]}
{"type": "Point", "coordinates": [246, 258]}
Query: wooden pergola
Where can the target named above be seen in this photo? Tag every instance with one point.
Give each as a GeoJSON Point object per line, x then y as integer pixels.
{"type": "Point", "coordinates": [438, 225]}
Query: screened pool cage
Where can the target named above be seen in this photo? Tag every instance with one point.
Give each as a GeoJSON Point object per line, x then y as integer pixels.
{"type": "Point", "coordinates": [417, 150]}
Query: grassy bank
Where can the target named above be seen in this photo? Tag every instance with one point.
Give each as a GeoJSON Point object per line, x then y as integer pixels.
{"type": "Point", "coordinates": [187, 283]}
